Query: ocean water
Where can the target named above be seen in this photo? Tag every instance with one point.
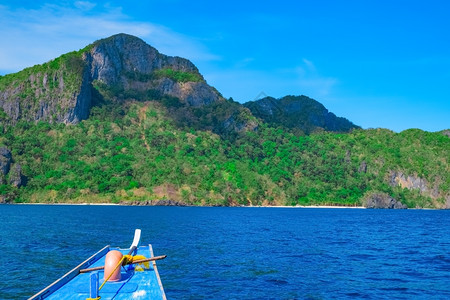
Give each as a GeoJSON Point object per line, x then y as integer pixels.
{"type": "Point", "coordinates": [238, 253]}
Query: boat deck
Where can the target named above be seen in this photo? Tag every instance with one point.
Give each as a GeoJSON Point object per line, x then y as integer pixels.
{"type": "Point", "coordinates": [144, 284]}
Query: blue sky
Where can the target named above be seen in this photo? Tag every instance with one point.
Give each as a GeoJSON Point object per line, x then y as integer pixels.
{"type": "Point", "coordinates": [378, 63]}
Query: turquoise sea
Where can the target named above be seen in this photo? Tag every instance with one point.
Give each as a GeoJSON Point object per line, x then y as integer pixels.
{"type": "Point", "coordinates": [239, 253]}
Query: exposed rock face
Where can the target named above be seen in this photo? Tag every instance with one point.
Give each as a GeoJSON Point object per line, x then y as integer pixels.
{"type": "Point", "coordinates": [10, 169]}
{"type": "Point", "coordinates": [5, 163]}
{"type": "Point", "coordinates": [446, 132]}
{"type": "Point", "coordinates": [111, 58]}
{"type": "Point", "coordinates": [61, 90]}
{"type": "Point", "coordinates": [49, 94]}
{"type": "Point", "coordinates": [412, 182]}
{"type": "Point", "coordinates": [129, 62]}
{"type": "Point", "coordinates": [398, 178]}
{"type": "Point", "coordinates": [16, 178]}
{"type": "Point", "coordinates": [163, 202]}
{"type": "Point", "coordinates": [362, 167]}
{"type": "Point", "coordinates": [167, 202]}
{"type": "Point", "coordinates": [382, 200]}
{"type": "Point", "coordinates": [298, 112]}
{"type": "Point", "coordinates": [191, 93]}
{"type": "Point", "coordinates": [83, 102]}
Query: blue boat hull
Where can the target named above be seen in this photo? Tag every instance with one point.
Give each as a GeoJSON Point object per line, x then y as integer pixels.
{"type": "Point", "coordinates": [134, 284]}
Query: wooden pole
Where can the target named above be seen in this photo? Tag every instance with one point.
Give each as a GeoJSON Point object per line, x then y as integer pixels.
{"type": "Point", "coordinates": [129, 263]}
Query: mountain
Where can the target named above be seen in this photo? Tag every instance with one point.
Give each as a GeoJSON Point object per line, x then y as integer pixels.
{"type": "Point", "coordinates": [120, 122]}
{"type": "Point", "coordinates": [64, 89]}
{"type": "Point", "coordinates": [123, 67]}
{"type": "Point", "coordinates": [298, 112]}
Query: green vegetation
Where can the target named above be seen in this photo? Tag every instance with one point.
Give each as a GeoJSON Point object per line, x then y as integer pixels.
{"type": "Point", "coordinates": [141, 144]}
{"type": "Point", "coordinates": [70, 63]}
{"type": "Point", "coordinates": [175, 75]}
{"type": "Point", "coordinates": [137, 151]}
{"type": "Point", "coordinates": [178, 76]}
{"type": "Point", "coordinates": [3, 114]}
{"type": "Point", "coordinates": [55, 80]}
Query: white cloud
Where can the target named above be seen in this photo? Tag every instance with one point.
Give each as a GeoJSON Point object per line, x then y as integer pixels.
{"type": "Point", "coordinates": [310, 65]}
{"type": "Point", "coordinates": [243, 63]}
{"type": "Point", "coordinates": [312, 82]}
{"type": "Point", "coordinates": [85, 5]}
{"type": "Point", "coordinates": [32, 37]}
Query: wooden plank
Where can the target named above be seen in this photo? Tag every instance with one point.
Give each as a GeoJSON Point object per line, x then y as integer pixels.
{"type": "Point", "coordinates": [69, 275]}
{"type": "Point", "coordinates": [156, 272]}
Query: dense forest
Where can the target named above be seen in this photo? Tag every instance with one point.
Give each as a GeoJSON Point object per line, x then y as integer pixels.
{"type": "Point", "coordinates": [119, 122]}
{"type": "Point", "coordinates": [134, 151]}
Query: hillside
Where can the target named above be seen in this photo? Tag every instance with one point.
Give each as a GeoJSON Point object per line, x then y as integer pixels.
{"type": "Point", "coordinates": [299, 112]}
{"type": "Point", "coordinates": [123, 67]}
{"type": "Point", "coordinates": [135, 153]}
{"type": "Point", "coordinates": [119, 122]}
{"type": "Point", "coordinates": [64, 89]}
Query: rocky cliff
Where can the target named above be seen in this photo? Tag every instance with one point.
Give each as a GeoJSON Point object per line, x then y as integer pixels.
{"type": "Point", "coordinates": [124, 67]}
{"type": "Point", "coordinates": [58, 91]}
{"type": "Point", "coordinates": [5, 163]}
{"type": "Point", "coordinates": [382, 200]}
{"type": "Point", "coordinates": [10, 176]}
{"type": "Point", "coordinates": [413, 182]}
{"type": "Point", "coordinates": [62, 89]}
{"type": "Point", "coordinates": [298, 112]}
{"type": "Point", "coordinates": [127, 62]}
{"type": "Point", "coordinates": [10, 172]}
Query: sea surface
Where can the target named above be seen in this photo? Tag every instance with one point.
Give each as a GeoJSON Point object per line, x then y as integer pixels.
{"type": "Point", "coordinates": [238, 253]}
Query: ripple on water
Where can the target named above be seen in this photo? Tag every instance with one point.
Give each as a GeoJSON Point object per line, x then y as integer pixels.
{"type": "Point", "coordinates": [240, 253]}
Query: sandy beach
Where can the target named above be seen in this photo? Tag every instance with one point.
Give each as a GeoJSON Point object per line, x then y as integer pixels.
{"type": "Point", "coordinates": [253, 206]}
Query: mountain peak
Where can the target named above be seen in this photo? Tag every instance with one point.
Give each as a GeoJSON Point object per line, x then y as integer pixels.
{"type": "Point", "coordinates": [62, 90]}
{"type": "Point", "coordinates": [123, 67]}
{"type": "Point", "coordinates": [299, 112]}
{"type": "Point", "coordinates": [120, 54]}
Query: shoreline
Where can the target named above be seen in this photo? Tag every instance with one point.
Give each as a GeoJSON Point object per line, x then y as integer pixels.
{"type": "Point", "coordinates": [245, 206]}
{"type": "Point", "coordinates": [314, 206]}
{"type": "Point", "coordinates": [80, 204]}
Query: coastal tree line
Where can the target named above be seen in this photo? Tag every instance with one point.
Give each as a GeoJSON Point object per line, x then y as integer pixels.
{"type": "Point", "coordinates": [135, 152]}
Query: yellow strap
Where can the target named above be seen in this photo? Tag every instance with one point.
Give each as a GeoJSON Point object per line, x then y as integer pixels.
{"type": "Point", "coordinates": [123, 261]}
{"type": "Point", "coordinates": [118, 265]}
{"type": "Point", "coordinates": [127, 259]}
